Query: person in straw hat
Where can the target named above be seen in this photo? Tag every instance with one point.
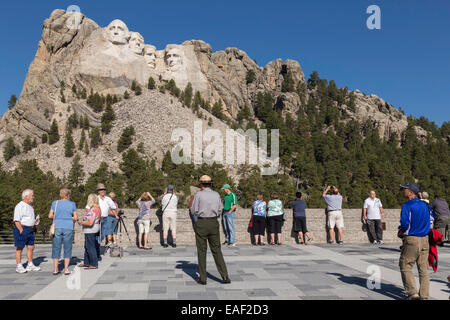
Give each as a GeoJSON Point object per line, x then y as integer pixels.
{"type": "Point", "coordinates": [206, 209]}
{"type": "Point", "coordinates": [109, 214]}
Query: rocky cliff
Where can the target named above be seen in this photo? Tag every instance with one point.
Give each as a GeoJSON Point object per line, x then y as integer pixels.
{"type": "Point", "coordinates": [75, 52]}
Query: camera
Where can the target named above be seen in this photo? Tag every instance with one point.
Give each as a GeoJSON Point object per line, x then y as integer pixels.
{"type": "Point", "coordinates": [120, 213]}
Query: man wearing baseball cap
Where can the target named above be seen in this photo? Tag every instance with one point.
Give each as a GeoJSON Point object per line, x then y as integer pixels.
{"type": "Point", "coordinates": [206, 209]}
{"type": "Point", "coordinates": [414, 229]}
{"type": "Point", "coordinates": [229, 212]}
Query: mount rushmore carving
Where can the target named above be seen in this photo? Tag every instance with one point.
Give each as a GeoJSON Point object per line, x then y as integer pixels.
{"type": "Point", "coordinates": [114, 51]}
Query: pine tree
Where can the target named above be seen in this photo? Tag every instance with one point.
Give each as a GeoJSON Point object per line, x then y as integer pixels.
{"type": "Point", "coordinates": [96, 138]}
{"type": "Point", "coordinates": [12, 101]}
{"type": "Point", "coordinates": [82, 140]}
{"type": "Point", "coordinates": [126, 95]}
{"type": "Point", "coordinates": [53, 135]}
{"type": "Point", "coordinates": [86, 147]}
{"type": "Point", "coordinates": [151, 83]}
{"type": "Point", "coordinates": [69, 145]}
{"type": "Point", "coordinates": [27, 144]}
{"type": "Point", "coordinates": [217, 110]}
{"type": "Point", "coordinates": [44, 138]}
{"type": "Point", "coordinates": [34, 144]}
{"type": "Point", "coordinates": [188, 93]}
{"type": "Point", "coordinates": [126, 139]}
{"type": "Point", "coordinates": [10, 149]}
{"type": "Point", "coordinates": [138, 90]}
{"type": "Point", "coordinates": [107, 118]}
{"type": "Point", "coordinates": [86, 124]}
{"type": "Point", "coordinates": [251, 76]}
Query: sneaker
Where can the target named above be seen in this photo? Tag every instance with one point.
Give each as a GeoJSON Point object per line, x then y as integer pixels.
{"type": "Point", "coordinates": [165, 245]}
{"type": "Point", "coordinates": [174, 245]}
{"type": "Point", "coordinates": [330, 242]}
{"type": "Point", "coordinates": [20, 269]}
{"type": "Point", "coordinates": [414, 297]}
{"type": "Point", "coordinates": [375, 242]}
{"type": "Point", "coordinates": [224, 243]}
{"type": "Point", "coordinates": [381, 242]}
{"type": "Point", "coordinates": [232, 245]}
{"type": "Point", "coordinates": [341, 242]}
{"type": "Point", "coordinates": [32, 267]}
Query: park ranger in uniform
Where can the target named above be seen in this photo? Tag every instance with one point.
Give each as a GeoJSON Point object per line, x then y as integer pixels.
{"type": "Point", "coordinates": [206, 209]}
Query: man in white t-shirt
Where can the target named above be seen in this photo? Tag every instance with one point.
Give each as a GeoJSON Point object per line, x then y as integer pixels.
{"type": "Point", "coordinates": [109, 214]}
{"type": "Point", "coordinates": [24, 222]}
{"type": "Point", "coordinates": [373, 214]}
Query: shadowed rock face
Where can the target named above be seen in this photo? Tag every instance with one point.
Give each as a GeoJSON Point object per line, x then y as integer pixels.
{"type": "Point", "coordinates": [74, 50]}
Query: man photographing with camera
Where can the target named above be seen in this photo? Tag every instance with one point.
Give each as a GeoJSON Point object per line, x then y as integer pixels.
{"type": "Point", "coordinates": [334, 210]}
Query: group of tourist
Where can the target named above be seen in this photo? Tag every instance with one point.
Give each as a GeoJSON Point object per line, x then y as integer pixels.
{"type": "Point", "coordinates": [101, 216]}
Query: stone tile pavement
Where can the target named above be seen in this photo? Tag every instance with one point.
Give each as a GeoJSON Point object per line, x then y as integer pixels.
{"type": "Point", "coordinates": [258, 273]}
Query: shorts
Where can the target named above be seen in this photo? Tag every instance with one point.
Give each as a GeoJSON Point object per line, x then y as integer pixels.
{"type": "Point", "coordinates": [108, 226]}
{"type": "Point", "coordinates": [24, 239]}
{"type": "Point", "coordinates": [259, 225]}
{"type": "Point", "coordinates": [300, 224]}
{"type": "Point", "coordinates": [170, 221]}
{"type": "Point", "coordinates": [275, 223]}
{"type": "Point", "coordinates": [144, 226]}
{"type": "Point", "coordinates": [335, 218]}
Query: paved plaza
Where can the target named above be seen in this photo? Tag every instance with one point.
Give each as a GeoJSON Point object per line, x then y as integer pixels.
{"type": "Point", "coordinates": [272, 272]}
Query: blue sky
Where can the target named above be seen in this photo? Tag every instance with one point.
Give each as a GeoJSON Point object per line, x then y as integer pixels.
{"type": "Point", "coordinates": [407, 62]}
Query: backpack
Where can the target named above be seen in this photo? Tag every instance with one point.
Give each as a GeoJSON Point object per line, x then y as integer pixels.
{"type": "Point", "coordinates": [116, 252]}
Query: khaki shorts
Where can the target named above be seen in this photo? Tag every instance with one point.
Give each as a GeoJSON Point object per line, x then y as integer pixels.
{"type": "Point", "coordinates": [170, 221]}
{"type": "Point", "coordinates": [144, 226]}
{"type": "Point", "coordinates": [335, 218]}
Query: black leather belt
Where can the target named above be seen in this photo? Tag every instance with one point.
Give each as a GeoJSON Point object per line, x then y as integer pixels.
{"type": "Point", "coordinates": [207, 217]}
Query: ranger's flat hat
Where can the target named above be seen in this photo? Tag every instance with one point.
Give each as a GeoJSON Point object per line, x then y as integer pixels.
{"type": "Point", "coordinates": [100, 186]}
{"type": "Point", "coordinates": [205, 179]}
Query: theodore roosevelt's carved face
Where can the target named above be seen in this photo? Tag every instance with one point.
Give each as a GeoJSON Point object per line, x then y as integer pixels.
{"type": "Point", "coordinates": [136, 43]}
{"type": "Point", "coordinates": [118, 32]}
{"type": "Point", "coordinates": [150, 56]}
{"type": "Point", "coordinates": [174, 58]}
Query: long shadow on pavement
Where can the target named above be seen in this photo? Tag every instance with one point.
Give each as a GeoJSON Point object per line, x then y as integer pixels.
{"type": "Point", "coordinates": [191, 270]}
{"type": "Point", "coordinates": [387, 290]}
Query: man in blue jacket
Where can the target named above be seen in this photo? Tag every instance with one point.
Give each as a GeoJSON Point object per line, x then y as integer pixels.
{"type": "Point", "coordinates": [414, 226]}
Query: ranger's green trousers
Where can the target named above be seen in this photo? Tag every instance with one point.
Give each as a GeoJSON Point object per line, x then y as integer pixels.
{"type": "Point", "coordinates": [207, 230]}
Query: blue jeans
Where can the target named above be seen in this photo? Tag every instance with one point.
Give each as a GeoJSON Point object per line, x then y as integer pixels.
{"type": "Point", "coordinates": [62, 236]}
{"type": "Point", "coordinates": [90, 250]}
{"type": "Point", "coordinates": [228, 226]}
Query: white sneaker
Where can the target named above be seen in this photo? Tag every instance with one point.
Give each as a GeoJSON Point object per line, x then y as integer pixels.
{"type": "Point", "coordinates": [32, 267]}
{"type": "Point", "coordinates": [20, 269]}
{"type": "Point", "coordinates": [381, 242]}
{"type": "Point", "coordinates": [233, 245]}
{"type": "Point", "coordinates": [375, 242]}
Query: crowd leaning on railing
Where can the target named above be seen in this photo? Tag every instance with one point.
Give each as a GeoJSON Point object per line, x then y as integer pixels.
{"type": "Point", "coordinates": [423, 226]}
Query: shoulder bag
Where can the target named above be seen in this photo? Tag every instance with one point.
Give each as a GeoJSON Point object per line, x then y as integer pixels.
{"type": "Point", "coordinates": [52, 228]}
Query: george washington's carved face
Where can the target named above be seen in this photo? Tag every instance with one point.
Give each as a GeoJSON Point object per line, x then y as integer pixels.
{"type": "Point", "coordinates": [136, 43]}
{"type": "Point", "coordinates": [118, 32]}
{"type": "Point", "coordinates": [150, 56]}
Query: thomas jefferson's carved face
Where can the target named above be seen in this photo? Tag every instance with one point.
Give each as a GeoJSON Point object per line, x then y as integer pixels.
{"type": "Point", "coordinates": [118, 32]}
{"type": "Point", "coordinates": [136, 43]}
{"type": "Point", "coordinates": [150, 56]}
{"type": "Point", "coordinates": [174, 58]}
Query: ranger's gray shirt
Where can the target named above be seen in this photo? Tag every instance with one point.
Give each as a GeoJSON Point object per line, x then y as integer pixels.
{"type": "Point", "coordinates": [333, 201]}
{"type": "Point", "coordinates": [207, 204]}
